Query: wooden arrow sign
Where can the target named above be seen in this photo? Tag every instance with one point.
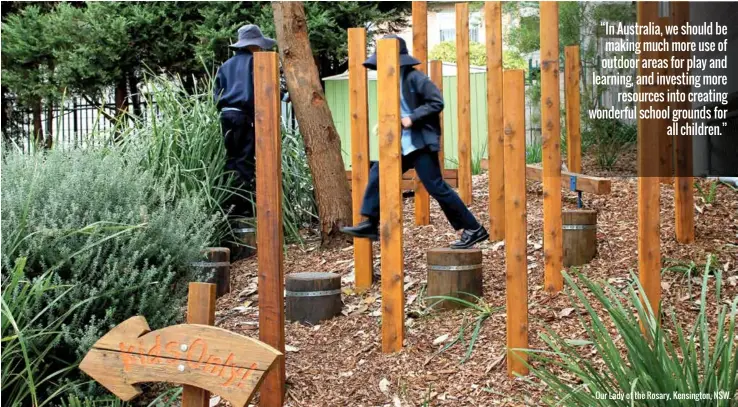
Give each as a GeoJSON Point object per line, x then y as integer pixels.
{"type": "Point", "coordinates": [219, 361]}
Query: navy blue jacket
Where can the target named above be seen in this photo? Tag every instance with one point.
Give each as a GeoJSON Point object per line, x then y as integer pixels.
{"type": "Point", "coordinates": [426, 102]}
{"type": "Point", "coordinates": [234, 83]}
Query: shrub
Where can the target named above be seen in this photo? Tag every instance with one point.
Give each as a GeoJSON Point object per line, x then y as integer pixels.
{"type": "Point", "coordinates": [608, 138]}
{"type": "Point", "coordinates": [700, 360]}
{"type": "Point", "coordinates": [89, 220]}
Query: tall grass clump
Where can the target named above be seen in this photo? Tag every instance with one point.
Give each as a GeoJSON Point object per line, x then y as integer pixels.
{"type": "Point", "coordinates": [27, 377]}
{"type": "Point", "coordinates": [675, 357]}
{"type": "Point", "coordinates": [179, 141]}
{"type": "Point", "coordinates": [89, 221]}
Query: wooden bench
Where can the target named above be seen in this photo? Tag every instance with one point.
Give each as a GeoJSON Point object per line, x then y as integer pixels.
{"type": "Point", "coordinates": [408, 179]}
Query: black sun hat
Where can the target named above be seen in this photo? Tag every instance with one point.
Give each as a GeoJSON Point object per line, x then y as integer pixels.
{"type": "Point", "coordinates": [405, 58]}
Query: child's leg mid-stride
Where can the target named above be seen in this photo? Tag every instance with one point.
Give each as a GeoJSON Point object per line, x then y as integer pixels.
{"type": "Point", "coordinates": [426, 166]}
{"type": "Point", "coordinates": [370, 205]}
{"type": "Point", "coordinates": [429, 171]}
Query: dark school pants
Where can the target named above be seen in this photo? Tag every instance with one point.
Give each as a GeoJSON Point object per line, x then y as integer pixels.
{"type": "Point", "coordinates": [239, 139]}
{"type": "Point", "coordinates": [425, 163]}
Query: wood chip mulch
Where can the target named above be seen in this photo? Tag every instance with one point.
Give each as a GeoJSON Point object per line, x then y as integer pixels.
{"type": "Point", "coordinates": [340, 362]}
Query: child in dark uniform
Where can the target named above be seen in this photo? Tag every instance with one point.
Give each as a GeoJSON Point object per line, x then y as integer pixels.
{"type": "Point", "coordinates": [421, 104]}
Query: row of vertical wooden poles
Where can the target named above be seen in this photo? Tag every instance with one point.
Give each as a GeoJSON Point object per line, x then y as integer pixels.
{"type": "Point", "coordinates": [359, 111]}
{"type": "Point", "coordinates": [516, 242]}
{"type": "Point", "coordinates": [649, 133]}
{"type": "Point", "coordinates": [269, 234]}
{"type": "Point", "coordinates": [551, 141]}
{"type": "Point", "coordinates": [390, 190]}
{"type": "Point", "coordinates": [463, 100]}
{"type": "Point", "coordinates": [572, 100]}
{"type": "Point", "coordinates": [200, 310]}
{"type": "Point", "coordinates": [683, 185]}
{"type": "Point", "coordinates": [420, 52]}
{"type": "Point", "coordinates": [495, 136]}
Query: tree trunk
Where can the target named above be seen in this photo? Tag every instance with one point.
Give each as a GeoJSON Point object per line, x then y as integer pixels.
{"type": "Point", "coordinates": [4, 114]}
{"type": "Point", "coordinates": [38, 131]}
{"type": "Point", "coordinates": [133, 91]}
{"type": "Point", "coordinates": [49, 136]}
{"type": "Point", "coordinates": [121, 105]}
{"type": "Point", "coordinates": [322, 142]}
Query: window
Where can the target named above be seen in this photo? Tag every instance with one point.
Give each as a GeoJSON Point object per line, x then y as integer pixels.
{"type": "Point", "coordinates": [474, 34]}
{"type": "Point", "coordinates": [448, 34]}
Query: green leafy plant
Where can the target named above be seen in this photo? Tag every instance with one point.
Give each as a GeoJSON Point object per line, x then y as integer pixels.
{"type": "Point", "coordinates": [668, 359]}
{"type": "Point", "coordinates": [108, 230]}
{"type": "Point", "coordinates": [299, 208]}
{"type": "Point", "coordinates": [607, 138]}
{"type": "Point", "coordinates": [179, 143]}
{"type": "Point", "coordinates": [481, 312]}
{"type": "Point", "coordinates": [27, 377]}
{"type": "Point", "coordinates": [446, 51]}
{"type": "Point", "coordinates": [709, 196]}
{"type": "Point", "coordinates": [534, 153]}
{"type": "Point", "coordinates": [477, 157]}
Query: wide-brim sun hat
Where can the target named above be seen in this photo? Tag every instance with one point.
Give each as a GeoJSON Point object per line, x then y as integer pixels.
{"type": "Point", "coordinates": [405, 58]}
{"type": "Point", "coordinates": [250, 34]}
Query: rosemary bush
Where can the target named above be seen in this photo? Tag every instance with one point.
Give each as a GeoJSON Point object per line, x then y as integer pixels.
{"type": "Point", "coordinates": [87, 220]}
{"type": "Point", "coordinates": [702, 359]}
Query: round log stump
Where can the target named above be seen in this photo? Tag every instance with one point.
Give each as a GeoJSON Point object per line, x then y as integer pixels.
{"type": "Point", "coordinates": [217, 267]}
{"type": "Point", "coordinates": [312, 297]}
{"type": "Point", "coordinates": [579, 236]}
{"type": "Point", "coordinates": [245, 234]}
{"type": "Point", "coordinates": [454, 273]}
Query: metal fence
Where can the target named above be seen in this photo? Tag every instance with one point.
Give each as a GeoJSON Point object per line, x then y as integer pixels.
{"type": "Point", "coordinates": [80, 124]}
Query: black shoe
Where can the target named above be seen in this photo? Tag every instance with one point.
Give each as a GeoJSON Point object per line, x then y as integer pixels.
{"type": "Point", "coordinates": [470, 237]}
{"type": "Point", "coordinates": [365, 229]}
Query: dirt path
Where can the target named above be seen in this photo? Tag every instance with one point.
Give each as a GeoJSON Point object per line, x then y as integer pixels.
{"type": "Point", "coordinates": [340, 363]}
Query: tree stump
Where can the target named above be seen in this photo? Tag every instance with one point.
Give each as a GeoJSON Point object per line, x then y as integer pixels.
{"type": "Point", "coordinates": [312, 297]}
{"type": "Point", "coordinates": [580, 236]}
{"type": "Point", "coordinates": [218, 266]}
{"type": "Point", "coordinates": [454, 273]}
{"type": "Point", "coordinates": [245, 234]}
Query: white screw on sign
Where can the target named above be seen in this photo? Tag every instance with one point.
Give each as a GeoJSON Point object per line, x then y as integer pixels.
{"type": "Point", "coordinates": [180, 368]}
{"type": "Point", "coordinates": [183, 347]}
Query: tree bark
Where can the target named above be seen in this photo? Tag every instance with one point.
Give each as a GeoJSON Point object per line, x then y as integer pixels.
{"type": "Point", "coordinates": [133, 91]}
{"type": "Point", "coordinates": [121, 104]}
{"type": "Point", "coordinates": [322, 142]}
{"type": "Point", "coordinates": [49, 136]}
{"type": "Point", "coordinates": [38, 131]}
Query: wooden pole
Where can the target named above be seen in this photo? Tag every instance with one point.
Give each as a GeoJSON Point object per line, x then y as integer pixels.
{"type": "Point", "coordinates": [516, 242]}
{"type": "Point", "coordinates": [200, 310]}
{"type": "Point", "coordinates": [463, 101]}
{"type": "Point", "coordinates": [666, 144]}
{"type": "Point", "coordinates": [551, 138]}
{"type": "Point", "coordinates": [390, 192]}
{"type": "Point", "coordinates": [649, 245]}
{"type": "Point", "coordinates": [683, 188]}
{"type": "Point", "coordinates": [420, 51]}
{"type": "Point", "coordinates": [573, 129]}
{"type": "Point", "coordinates": [269, 234]}
{"type": "Point", "coordinates": [359, 108]}
{"type": "Point", "coordinates": [495, 137]}
{"type": "Point", "coordinates": [436, 76]}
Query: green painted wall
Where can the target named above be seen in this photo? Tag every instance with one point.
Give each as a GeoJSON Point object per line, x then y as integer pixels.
{"type": "Point", "coordinates": [336, 92]}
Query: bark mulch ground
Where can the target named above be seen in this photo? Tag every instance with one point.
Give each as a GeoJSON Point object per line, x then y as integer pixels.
{"type": "Point", "coordinates": [340, 363]}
